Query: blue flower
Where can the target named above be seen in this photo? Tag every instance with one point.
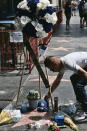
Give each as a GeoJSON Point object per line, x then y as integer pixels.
{"type": "Point", "coordinates": [48, 10]}
{"type": "Point", "coordinates": [42, 13]}
{"type": "Point", "coordinates": [22, 12]}
{"type": "Point", "coordinates": [32, 2]}
{"type": "Point", "coordinates": [47, 26]}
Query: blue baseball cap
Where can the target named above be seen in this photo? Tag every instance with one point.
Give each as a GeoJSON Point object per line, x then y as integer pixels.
{"type": "Point", "coordinates": [43, 106]}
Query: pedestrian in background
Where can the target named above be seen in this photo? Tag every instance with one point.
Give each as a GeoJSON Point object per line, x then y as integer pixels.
{"type": "Point", "coordinates": [76, 62]}
{"type": "Point", "coordinates": [85, 12]}
{"type": "Point", "coordinates": [74, 7]}
{"type": "Point", "coordinates": [67, 8]}
{"type": "Point", "coordinates": [81, 13]}
{"type": "Point", "coordinates": [63, 3]}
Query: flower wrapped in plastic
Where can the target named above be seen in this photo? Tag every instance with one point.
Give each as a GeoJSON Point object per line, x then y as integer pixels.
{"type": "Point", "coordinates": [37, 17]}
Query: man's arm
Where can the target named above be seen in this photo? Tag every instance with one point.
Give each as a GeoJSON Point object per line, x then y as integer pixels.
{"type": "Point", "coordinates": [83, 73]}
{"type": "Point", "coordinates": [54, 85]}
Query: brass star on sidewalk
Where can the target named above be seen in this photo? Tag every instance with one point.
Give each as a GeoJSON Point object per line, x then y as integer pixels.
{"type": "Point", "coordinates": [65, 41]}
{"type": "Point", "coordinates": [51, 79]}
{"type": "Point", "coordinates": [61, 48]}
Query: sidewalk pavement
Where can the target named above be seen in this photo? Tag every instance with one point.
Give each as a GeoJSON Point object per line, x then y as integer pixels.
{"type": "Point", "coordinates": [62, 43]}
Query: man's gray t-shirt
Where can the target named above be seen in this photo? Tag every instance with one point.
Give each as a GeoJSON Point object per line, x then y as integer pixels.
{"type": "Point", "coordinates": [74, 61]}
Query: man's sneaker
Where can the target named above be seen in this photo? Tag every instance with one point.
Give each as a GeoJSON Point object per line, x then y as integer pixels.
{"type": "Point", "coordinates": [80, 117]}
{"type": "Point", "coordinates": [78, 106]}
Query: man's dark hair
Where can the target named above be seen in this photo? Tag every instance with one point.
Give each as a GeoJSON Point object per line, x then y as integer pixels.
{"type": "Point", "coordinates": [48, 61]}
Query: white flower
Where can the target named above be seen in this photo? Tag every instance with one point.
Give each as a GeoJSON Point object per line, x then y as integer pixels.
{"type": "Point", "coordinates": [48, 18]}
{"type": "Point", "coordinates": [43, 4]}
{"type": "Point", "coordinates": [46, 2]}
{"type": "Point", "coordinates": [25, 20]}
{"type": "Point", "coordinates": [54, 18]}
{"type": "Point", "coordinates": [41, 34]}
{"type": "Point", "coordinates": [51, 18]}
{"type": "Point", "coordinates": [37, 26]}
{"type": "Point", "coordinates": [23, 5]}
{"type": "Point", "coordinates": [39, 6]}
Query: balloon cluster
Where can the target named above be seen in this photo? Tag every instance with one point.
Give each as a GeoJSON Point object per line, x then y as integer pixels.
{"type": "Point", "coordinates": [37, 17]}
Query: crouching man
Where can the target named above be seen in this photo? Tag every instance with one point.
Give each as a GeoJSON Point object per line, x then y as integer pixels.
{"type": "Point", "coordinates": [76, 62]}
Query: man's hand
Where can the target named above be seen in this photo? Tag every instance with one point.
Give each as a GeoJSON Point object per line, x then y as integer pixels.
{"type": "Point", "coordinates": [47, 96]}
{"type": "Point", "coordinates": [54, 86]}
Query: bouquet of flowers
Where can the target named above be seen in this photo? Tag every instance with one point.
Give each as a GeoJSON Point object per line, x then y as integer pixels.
{"type": "Point", "coordinates": [37, 17]}
{"type": "Point", "coordinates": [33, 95]}
{"type": "Point", "coordinates": [33, 98]}
{"type": "Point", "coordinates": [53, 126]}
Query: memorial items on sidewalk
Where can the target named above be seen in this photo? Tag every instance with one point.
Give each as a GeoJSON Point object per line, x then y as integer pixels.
{"type": "Point", "coordinates": [69, 122]}
{"type": "Point", "coordinates": [10, 116]}
{"type": "Point", "coordinates": [36, 103]}
{"type": "Point", "coordinates": [33, 95]}
{"type": "Point", "coordinates": [53, 127]}
{"type": "Point", "coordinates": [43, 106]}
{"type": "Point", "coordinates": [33, 98]}
{"type": "Point", "coordinates": [59, 119]}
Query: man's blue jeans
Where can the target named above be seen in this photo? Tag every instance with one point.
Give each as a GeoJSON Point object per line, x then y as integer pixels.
{"type": "Point", "coordinates": [79, 84]}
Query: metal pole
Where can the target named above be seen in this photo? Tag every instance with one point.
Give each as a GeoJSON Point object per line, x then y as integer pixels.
{"type": "Point", "coordinates": [39, 74]}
